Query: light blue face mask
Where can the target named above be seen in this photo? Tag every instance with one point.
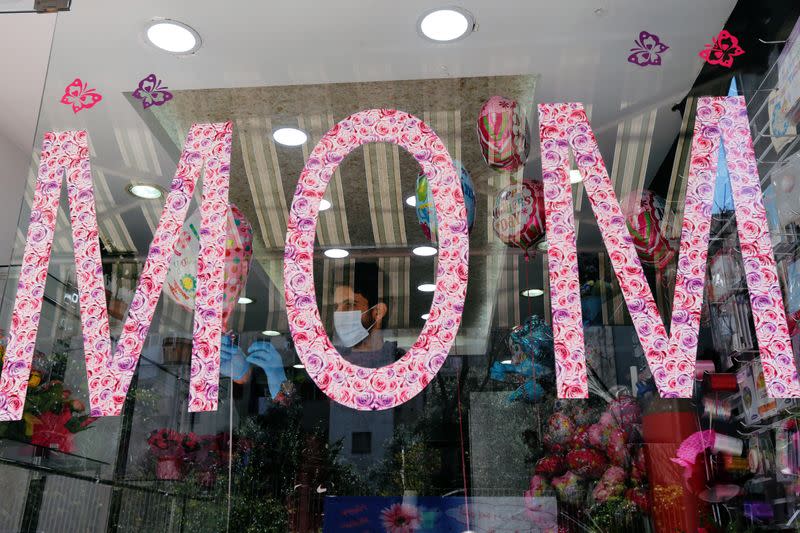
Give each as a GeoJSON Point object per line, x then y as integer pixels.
{"type": "Point", "coordinates": [348, 327]}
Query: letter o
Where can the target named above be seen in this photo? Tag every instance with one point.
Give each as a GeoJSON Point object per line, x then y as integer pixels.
{"type": "Point", "coordinates": [394, 384]}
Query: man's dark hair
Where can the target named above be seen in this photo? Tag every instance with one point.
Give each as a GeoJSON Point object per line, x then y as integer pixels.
{"type": "Point", "coordinates": [366, 277]}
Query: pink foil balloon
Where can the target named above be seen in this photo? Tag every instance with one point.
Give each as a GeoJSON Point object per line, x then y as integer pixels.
{"type": "Point", "coordinates": [182, 276]}
{"type": "Point", "coordinates": [518, 216]}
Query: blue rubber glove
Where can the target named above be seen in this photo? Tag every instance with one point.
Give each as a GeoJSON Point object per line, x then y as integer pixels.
{"type": "Point", "coordinates": [232, 361]}
{"type": "Point", "coordinates": [264, 354]}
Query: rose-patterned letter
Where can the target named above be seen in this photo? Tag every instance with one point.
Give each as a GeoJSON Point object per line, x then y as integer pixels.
{"type": "Point", "coordinates": [671, 358]}
{"type": "Point", "coordinates": [67, 153]}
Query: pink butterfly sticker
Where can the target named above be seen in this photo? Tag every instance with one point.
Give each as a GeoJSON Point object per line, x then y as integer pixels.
{"type": "Point", "coordinates": [80, 96]}
{"type": "Point", "coordinates": [151, 92]}
{"type": "Point", "coordinates": [722, 50]}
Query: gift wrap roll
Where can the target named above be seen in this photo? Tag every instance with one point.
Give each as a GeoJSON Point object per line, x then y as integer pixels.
{"type": "Point", "coordinates": [676, 505]}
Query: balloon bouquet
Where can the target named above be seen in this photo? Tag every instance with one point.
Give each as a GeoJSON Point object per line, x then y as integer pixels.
{"type": "Point", "coordinates": [518, 215]}
{"type": "Point", "coordinates": [181, 286]}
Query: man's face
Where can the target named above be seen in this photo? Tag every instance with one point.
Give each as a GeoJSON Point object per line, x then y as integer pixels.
{"type": "Point", "coordinates": [344, 299]}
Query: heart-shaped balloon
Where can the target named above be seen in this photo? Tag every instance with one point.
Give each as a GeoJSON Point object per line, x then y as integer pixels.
{"type": "Point", "coordinates": [181, 281]}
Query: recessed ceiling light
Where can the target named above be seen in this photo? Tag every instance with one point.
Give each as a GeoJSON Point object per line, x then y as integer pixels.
{"type": "Point", "coordinates": [244, 300]}
{"type": "Point", "coordinates": [532, 293]}
{"type": "Point", "coordinates": [426, 287]}
{"type": "Point", "coordinates": [299, 366]}
{"type": "Point", "coordinates": [324, 205]}
{"type": "Point", "coordinates": [447, 24]}
{"type": "Point", "coordinates": [506, 362]}
{"type": "Point", "coordinates": [542, 246]}
{"type": "Point", "coordinates": [426, 316]}
{"type": "Point", "coordinates": [411, 201]}
{"type": "Point", "coordinates": [147, 192]}
{"type": "Point", "coordinates": [424, 251]}
{"type": "Point", "coordinates": [336, 253]}
{"type": "Point", "coordinates": [289, 136]}
{"type": "Point", "coordinates": [575, 176]}
{"type": "Point", "coordinates": [270, 333]}
{"type": "Point", "coordinates": [173, 36]}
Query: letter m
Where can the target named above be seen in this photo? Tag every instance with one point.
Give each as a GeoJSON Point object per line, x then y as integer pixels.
{"type": "Point", "coordinates": [672, 357]}
{"type": "Point", "coordinates": [66, 154]}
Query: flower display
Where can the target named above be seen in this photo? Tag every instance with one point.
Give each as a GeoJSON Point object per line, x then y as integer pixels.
{"type": "Point", "coordinates": [593, 460]}
{"type": "Point", "coordinates": [51, 416]}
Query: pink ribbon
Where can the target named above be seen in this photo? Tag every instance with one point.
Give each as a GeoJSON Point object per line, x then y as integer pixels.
{"type": "Point", "coordinates": [691, 447]}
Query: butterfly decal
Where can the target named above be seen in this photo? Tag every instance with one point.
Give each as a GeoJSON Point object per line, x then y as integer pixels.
{"type": "Point", "coordinates": [80, 96]}
{"type": "Point", "coordinates": [722, 50]}
{"type": "Point", "coordinates": [151, 92]}
{"type": "Point", "coordinates": [648, 50]}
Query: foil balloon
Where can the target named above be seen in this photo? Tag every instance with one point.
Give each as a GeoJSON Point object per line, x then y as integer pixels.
{"type": "Point", "coordinates": [182, 276]}
{"type": "Point", "coordinates": [426, 214]}
{"type": "Point", "coordinates": [503, 134]}
{"type": "Point", "coordinates": [531, 347]}
{"type": "Point", "coordinates": [532, 339]}
{"type": "Point", "coordinates": [518, 216]}
{"type": "Point", "coordinates": [645, 215]}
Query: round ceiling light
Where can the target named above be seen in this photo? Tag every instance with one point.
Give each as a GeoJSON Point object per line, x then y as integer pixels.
{"type": "Point", "coordinates": [424, 251]}
{"type": "Point", "coordinates": [426, 316]}
{"type": "Point", "coordinates": [324, 205]}
{"type": "Point", "coordinates": [532, 293]}
{"type": "Point", "coordinates": [173, 36]}
{"type": "Point", "coordinates": [411, 201]}
{"type": "Point", "coordinates": [270, 333]}
{"type": "Point", "coordinates": [244, 300]}
{"type": "Point", "coordinates": [289, 136]}
{"type": "Point", "coordinates": [336, 253]}
{"type": "Point", "coordinates": [145, 191]}
{"type": "Point", "coordinates": [446, 24]}
{"type": "Point", "coordinates": [575, 176]}
{"type": "Point", "coordinates": [426, 287]}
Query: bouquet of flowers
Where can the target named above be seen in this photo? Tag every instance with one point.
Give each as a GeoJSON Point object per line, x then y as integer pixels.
{"type": "Point", "coordinates": [165, 442]}
{"type": "Point", "coordinates": [594, 462]}
{"type": "Point", "coordinates": [51, 417]}
{"type": "Point", "coordinates": [168, 447]}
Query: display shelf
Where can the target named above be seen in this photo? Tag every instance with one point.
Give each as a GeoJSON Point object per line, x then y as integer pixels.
{"type": "Point", "coordinates": [24, 453]}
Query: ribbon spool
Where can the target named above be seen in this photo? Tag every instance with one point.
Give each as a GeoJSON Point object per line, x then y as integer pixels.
{"type": "Point", "coordinates": [727, 444]}
{"type": "Point", "coordinates": [701, 367]}
{"type": "Point", "coordinates": [717, 409]}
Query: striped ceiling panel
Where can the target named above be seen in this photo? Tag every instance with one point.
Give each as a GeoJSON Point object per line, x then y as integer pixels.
{"type": "Point", "coordinates": [383, 182]}
{"type": "Point", "coordinates": [332, 224]}
{"type": "Point", "coordinates": [264, 179]}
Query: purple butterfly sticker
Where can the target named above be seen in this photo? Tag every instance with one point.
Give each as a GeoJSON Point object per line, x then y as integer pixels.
{"type": "Point", "coordinates": [648, 50]}
{"type": "Point", "coordinates": [151, 92]}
